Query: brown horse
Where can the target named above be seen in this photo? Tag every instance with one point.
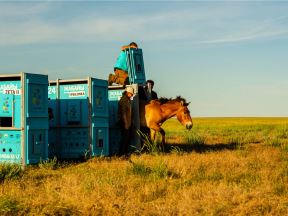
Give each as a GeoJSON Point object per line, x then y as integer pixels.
{"type": "Point", "coordinates": [156, 112]}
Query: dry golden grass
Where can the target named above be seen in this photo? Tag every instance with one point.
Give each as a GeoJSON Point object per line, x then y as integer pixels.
{"type": "Point", "coordinates": [229, 166]}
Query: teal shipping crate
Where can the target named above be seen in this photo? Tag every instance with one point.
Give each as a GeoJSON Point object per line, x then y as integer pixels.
{"type": "Point", "coordinates": [23, 118]}
{"type": "Point", "coordinates": [135, 65]}
{"type": "Point", "coordinates": [78, 118]}
{"type": "Point", "coordinates": [114, 95]}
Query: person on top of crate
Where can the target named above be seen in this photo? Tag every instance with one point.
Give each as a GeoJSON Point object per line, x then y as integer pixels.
{"type": "Point", "coordinates": [121, 68]}
{"type": "Point", "coordinates": [125, 119]}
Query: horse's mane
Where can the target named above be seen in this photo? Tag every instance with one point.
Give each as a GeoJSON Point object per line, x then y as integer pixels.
{"type": "Point", "coordinates": [164, 100]}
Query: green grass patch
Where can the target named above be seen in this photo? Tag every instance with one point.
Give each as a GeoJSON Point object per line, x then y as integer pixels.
{"type": "Point", "coordinates": [10, 171]}
{"type": "Point", "coordinates": [10, 206]}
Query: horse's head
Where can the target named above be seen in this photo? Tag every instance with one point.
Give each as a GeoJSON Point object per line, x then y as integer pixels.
{"type": "Point", "coordinates": [183, 115]}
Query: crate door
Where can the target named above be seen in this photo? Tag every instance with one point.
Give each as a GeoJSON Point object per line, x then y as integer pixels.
{"type": "Point", "coordinates": [99, 98]}
{"type": "Point", "coordinates": [136, 66]}
{"type": "Point", "coordinates": [100, 117]}
{"type": "Point", "coordinates": [100, 145]}
{"type": "Point", "coordinates": [36, 119]}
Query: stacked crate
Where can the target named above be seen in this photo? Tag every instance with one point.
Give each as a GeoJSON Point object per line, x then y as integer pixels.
{"type": "Point", "coordinates": [79, 119]}
{"type": "Point", "coordinates": [23, 118]}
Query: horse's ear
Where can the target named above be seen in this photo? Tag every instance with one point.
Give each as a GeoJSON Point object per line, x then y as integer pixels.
{"type": "Point", "coordinates": [186, 104]}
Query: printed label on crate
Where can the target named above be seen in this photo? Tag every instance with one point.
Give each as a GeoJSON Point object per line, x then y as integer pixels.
{"type": "Point", "coordinates": [51, 90]}
{"type": "Point", "coordinates": [10, 156]}
{"type": "Point", "coordinates": [115, 95]}
{"type": "Point", "coordinates": [73, 91]}
{"type": "Point", "coordinates": [76, 94]}
{"type": "Point", "coordinates": [10, 88]}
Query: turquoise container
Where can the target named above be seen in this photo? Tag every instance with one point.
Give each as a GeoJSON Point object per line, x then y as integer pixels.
{"type": "Point", "coordinates": [135, 65]}
{"type": "Point", "coordinates": [23, 118]}
{"type": "Point", "coordinates": [79, 119]}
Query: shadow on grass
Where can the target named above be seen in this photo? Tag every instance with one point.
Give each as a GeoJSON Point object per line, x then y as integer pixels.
{"type": "Point", "coordinates": [200, 148]}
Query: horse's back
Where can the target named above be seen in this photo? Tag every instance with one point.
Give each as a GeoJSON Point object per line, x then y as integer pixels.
{"type": "Point", "coordinates": [149, 110]}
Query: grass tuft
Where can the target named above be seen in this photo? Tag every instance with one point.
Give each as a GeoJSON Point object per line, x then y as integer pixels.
{"type": "Point", "coordinates": [148, 146]}
{"type": "Point", "coordinates": [158, 170]}
{"type": "Point", "coordinates": [9, 206]}
{"type": "Point", "coordinates": [50, 164]}
{"type": "Point", "coordinates": [10, 171]}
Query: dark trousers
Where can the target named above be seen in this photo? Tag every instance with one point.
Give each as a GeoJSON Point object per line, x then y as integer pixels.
{"type": "Point", "coordinates": [125, 141]}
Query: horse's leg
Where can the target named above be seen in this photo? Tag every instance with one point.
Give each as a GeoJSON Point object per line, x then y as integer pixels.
{"type": "Point", "coordinates": [152, 134]}
{"type": "Point", "coordinates": [156, 128]}
{"type": "Point", "coordinates": [162, 132]}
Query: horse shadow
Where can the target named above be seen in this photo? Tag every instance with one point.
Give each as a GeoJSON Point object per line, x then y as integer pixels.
{"type": "Point", "coordinates": [199, 147]}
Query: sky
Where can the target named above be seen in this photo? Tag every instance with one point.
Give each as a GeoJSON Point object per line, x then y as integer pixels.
{"type": "Point", "coordinates": [228, 58]}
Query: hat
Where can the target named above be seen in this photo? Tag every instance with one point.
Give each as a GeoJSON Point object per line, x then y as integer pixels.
{"type": "Point", "coordinates": [130, 89]}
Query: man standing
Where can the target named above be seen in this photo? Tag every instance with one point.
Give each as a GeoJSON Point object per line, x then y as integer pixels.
{"type": "Point", "coordinates": [150, 94]}
{"type": "Point", "coordinates": [121, 68]}
{"type": "Point", "coordinates": [125, 119]}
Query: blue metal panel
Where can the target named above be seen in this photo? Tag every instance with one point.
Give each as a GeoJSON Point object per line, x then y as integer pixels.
{"type": "Point", "coordinates": [10, 146]}
{"type": "Point", "coordinates": [100, 144]}
{"type": "Point", "coordinates": [73, 112]}
{"type": "Point", "coordinates": [37, 145]}
{"type": "Point", "coordinates": [74, 104]}
{"type": "Point", "coordinates": [36, 119]}
{"type": "Point", "coordinates": [74, 142]}
{"type": "Point", "coordinates": [17, 111]}
{"type": "Point", "coordinates": [99, 98]}
{"type": "Point", "coordinates": [114, 96]}
{"type": "Point", "coordinates": [135, 64]}
{"type": "Point", "coordinates": [100, 119]}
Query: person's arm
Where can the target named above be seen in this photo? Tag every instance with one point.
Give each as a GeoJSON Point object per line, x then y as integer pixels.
{"type": "Point", "coordinates": [127, 47]}
{"type": "Point", "coordinates": [154, 94]}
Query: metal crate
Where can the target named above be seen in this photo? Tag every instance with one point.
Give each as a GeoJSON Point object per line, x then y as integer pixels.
{"type": "Point", "coordinates": [23, 118]}
{"type": "Point", "coordinates": [79, 126]}
{"type": "Point", "coordinates": [135, 65]}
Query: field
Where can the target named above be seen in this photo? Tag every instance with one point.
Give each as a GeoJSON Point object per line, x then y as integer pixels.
{"type": "Point", "coordinates": [223, 166]}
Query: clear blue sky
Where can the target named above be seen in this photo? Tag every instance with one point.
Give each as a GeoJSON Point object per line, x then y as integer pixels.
{"type": "Point", "coordinates": [229, 58]}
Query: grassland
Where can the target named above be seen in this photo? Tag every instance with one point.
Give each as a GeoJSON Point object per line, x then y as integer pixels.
{"type": "Point", "coordinates": [223, 166]}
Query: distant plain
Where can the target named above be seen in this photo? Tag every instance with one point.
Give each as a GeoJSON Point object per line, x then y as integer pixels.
{"type": "Point", "coordinates": [223, 166]}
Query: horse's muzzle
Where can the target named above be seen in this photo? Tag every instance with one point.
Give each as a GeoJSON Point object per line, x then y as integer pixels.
{"type": "Point", "coordinates": [189, 126]}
